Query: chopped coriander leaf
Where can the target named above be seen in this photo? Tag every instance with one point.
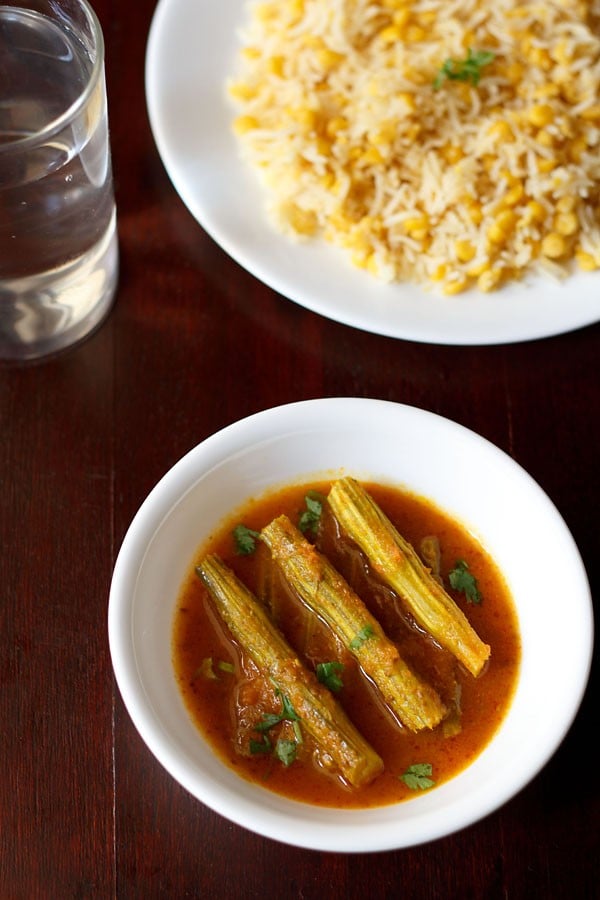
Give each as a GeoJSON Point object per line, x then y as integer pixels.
{"type": "Point", "coordinates": [462, 580]}
{"type": "Point", "coordinates": [309, 520]}
{"type": "Point", "coordinates": [263, 746]}
{"type": "Point", "coordinates": [245, 539]}
{"type": "Point", "coordinates": [328, 674]}
{"type": "Point", "coordinates": [289, 712]}
{"type": "Point", "coordinates": [225, 667]}
{"type": "Point", "coordinates": [417, 777]}
{"type": "Point", "coordinates": [268, 721]}
{"type": "Point", "coordinates": [363, 635]}
{"type": "Point", "coordinates": [468, 69]}
{"type": "Point", "coordinates": [285, 751]}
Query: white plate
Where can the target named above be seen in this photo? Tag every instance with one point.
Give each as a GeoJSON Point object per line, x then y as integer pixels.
{"type": "Point", "coordinates": [462, 473]}
{"type": "Point", "coordinates": [191, 51]}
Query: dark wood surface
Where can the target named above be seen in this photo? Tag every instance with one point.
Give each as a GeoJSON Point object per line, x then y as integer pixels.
{"type": "Point", "coordinates": [194, 343]}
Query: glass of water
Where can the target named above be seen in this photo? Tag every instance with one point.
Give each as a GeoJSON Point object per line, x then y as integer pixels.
{"type": "Point", "coordinates": [58, 239]}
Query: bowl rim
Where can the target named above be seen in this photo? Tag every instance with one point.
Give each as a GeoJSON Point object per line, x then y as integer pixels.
{"type": "Point", "coordinates": [282, 819]}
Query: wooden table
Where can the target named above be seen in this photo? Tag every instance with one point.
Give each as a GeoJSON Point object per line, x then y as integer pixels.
{"type": "Point", "coordinates": [193, 344]}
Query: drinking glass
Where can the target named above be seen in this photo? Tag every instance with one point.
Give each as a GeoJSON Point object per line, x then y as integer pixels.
{"type": "Point", "coordinates": [58, 237]}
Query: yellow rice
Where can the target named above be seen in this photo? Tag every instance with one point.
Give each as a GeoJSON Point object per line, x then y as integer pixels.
{"type": "Point", "coordinates": [467, 185]}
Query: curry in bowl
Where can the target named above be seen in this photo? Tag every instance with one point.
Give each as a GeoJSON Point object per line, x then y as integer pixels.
{"type": "Point", "coordinates": [345, 644]}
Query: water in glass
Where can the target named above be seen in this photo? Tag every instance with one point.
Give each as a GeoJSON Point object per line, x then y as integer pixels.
{"type": "Point", "coordinates": [58, 243]}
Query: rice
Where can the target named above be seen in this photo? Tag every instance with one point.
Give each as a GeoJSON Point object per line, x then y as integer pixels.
{"type": "Point", "coordinates": [367, 130]}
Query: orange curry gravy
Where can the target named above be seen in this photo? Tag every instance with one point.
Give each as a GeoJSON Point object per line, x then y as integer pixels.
{"type": "Point", "coordinates": [225, 707]}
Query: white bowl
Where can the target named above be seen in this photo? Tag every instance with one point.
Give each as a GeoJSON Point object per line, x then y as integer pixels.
{"type": "Point", "coordinates": [463, 474]}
